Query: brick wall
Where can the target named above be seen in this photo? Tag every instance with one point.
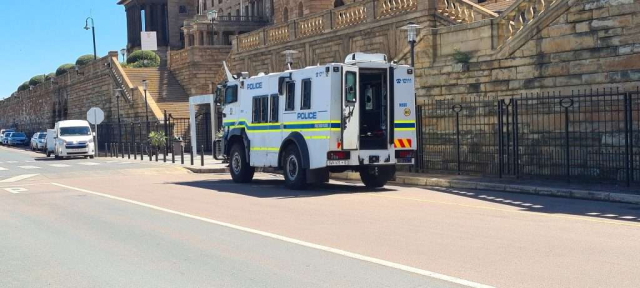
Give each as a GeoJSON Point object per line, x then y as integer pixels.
{"type": "Point", "coordinates": [196, 67]}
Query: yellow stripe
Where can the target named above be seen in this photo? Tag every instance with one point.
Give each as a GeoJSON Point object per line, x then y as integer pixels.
{"type": "Point", "coordinates": [397, 143]}
{"type": "Point", "coordinates": [405, 129]}
{"type": "Point", "coordinates": [316, 137]}
{"type": "Point", "coordinates": [405, 121]}
{"type": "Point", "coordinates": [265, 148]}
{"type": "Point", "coordinates": [312, 129]}
{"type": "Point", "coordinates": [406, 143]}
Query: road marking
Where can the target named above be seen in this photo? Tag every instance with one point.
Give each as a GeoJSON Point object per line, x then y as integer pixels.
{"type": "Point", "coordinates": [29, 167]}
{"type": "Point", "coordinates": [510, 211]}
{"type": "Point", "coordinates": [292, 240]}
{"type": "Point", "coordinates": [3, 169]}
{"type": "Point", "coordinates": [12, 162]}
{"type": "Point", "coordinates": [15, 190]}
{"type": "Point", "coordinates": [18, 178]}
{"type": "Point", "coordinates": [88, 163]}
{"type": "Point", "coordinates": [59, 165]}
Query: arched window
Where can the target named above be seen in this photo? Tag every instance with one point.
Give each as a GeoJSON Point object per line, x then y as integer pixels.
{"type": "Point", "coordinates": [300, 10]}
{"type": "Point", "coordinates": [338, 3]}
{"type": "Point", "coordinates": [285, 15]}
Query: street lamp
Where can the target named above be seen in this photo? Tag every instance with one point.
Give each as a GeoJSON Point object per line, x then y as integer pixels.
{"type": "Point", "coordinates": [146, 104]}
{"type": "Point", "coordinates": [93, 30]}
{"type": "Point", "coordinates": [288, 56]}
{"type": "Point", "coordinates": [212, 15]}
{"type": "Point", "coordinates": [118, 91]}
{"type": "Point", "coordinates": [123, 52]}
{"type": "Point", "coordinates": [412, 35]}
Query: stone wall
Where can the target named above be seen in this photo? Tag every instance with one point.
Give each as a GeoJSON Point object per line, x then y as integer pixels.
{"type": "Point", "coordinates": [580, 45]}
{"type": "Point", "coordinates": [70, 96]}
{"type": "Point", "coordinates": [197, 66]}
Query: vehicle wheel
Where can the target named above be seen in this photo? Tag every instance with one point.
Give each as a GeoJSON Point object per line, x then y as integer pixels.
{"type": "Point", "coordinates": [295, 177]}
{"type": "Point", "coordinates": [239, 167]}
{"type": "Point", "coordinates": [56, 157]}
{"type": "Point", "coordinates": [90, 157]}
{"type": "Point", "coordinates": [377, 176]}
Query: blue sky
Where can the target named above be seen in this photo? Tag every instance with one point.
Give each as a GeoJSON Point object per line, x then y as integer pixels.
{"type": "Point", "coordinates": [37, 36]}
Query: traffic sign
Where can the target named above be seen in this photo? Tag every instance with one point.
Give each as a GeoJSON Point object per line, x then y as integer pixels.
{"type": "Point", "coordinates": [95, 116]}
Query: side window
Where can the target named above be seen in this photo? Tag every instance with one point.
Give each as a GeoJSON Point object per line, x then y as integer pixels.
{"type": "Point", "coordinates": [256, 110]}
{"type": "Point", "coordinates": [264, 109]}
{"type": "Point", "coordinates": [274, 108]}
{"type": "Point", "coordinates": [306, 94]}
{"type": "Point", "coordinates": [291, 93]}
{"type": "Point", "coordinates": [350, 87]}
{"type": "Point", "coordinates": [231, 94]}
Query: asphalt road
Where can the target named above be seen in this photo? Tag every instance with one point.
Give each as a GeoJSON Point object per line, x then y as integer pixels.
{"type": "Point", "coordinates": [150, 225]}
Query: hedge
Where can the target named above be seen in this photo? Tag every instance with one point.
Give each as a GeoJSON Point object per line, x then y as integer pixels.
{"type": "Point", "coordinates": [50, 76]}
{"type": "Point", "coordinates": [138, 55]}
{"type": "Point", "coordinates": [84, 60]}
{"type": "Point", "coordinates": [35, 80]}
{"type": "Point", "coordinates": [24, 86]}
{"type": "Point", "coordinates": [64, 69]}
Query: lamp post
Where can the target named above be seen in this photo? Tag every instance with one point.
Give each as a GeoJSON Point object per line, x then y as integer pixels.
{"type": "Point", "coordinates": [212, 15]}
{"type": "Point", "coordinates": [412, 35]}
{"type": "Point", "coordinates": [123, 52]}
{"type": "Point", "coordinates": [288, 56]}
{"type": "Point", "coordinates": [93, 31]}
{"type": "Point", "coordinates": [146, 104]}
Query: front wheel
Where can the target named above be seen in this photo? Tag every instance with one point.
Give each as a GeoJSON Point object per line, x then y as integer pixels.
{"type": "Point", "coordinates": [295, 176]}
{"type": "Point", "coordinates": [239, 167]}
{"type": "Point", "coordinates": [376, 176]}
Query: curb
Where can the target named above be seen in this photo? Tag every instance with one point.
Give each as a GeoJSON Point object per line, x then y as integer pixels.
{"type": "Point", "coordinates": [198, 170]}
{"type": "Point", "coordinates": [523, 189]}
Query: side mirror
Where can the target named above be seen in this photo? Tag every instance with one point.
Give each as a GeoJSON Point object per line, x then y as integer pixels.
{"type": "Point", "coordinates": [93, 134]}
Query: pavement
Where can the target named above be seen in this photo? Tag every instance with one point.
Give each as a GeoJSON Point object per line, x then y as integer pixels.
{"type": "Point", "coordinates": [157, 225]}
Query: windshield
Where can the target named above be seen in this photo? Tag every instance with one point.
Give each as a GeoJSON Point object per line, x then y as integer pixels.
{"type": "Point", "coordinates": [18, 135]}
{"type": "Point", "coordinates": [7, 134]}
{"type": "Point", "coordinates": [42, 136]}
{"type": "Point", "coordinates": [74, 131]}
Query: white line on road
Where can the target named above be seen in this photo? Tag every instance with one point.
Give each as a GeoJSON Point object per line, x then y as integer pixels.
{"type": "Point", "coordinates": [3, 169]}
{"type": "Point", "coordinates": [12, 162]}
{"type": "Point", "coordinates": [29, 167]}
{"type": "Point", "coordinates": [15, 190]}
{"type": "Point", "coordinates": [18, 178]}
{"type": "Point", "coordinates": [89, 163]}
{"type": "Point", "coordinates": [59, 165]}
{"type": "Point", "coordinates": [293, 241]}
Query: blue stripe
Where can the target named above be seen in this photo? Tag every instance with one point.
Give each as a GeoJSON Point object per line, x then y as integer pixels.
{"type": "Point", "coordinates": [404, 125]}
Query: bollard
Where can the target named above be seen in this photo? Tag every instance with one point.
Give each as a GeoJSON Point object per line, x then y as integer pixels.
{"type": "Point", "coordinates": [106, 150]}
{"type": "Point", "coordinates": [164, 155]}
{"type": "Point", "coordinates": [135, 151]}
{"type": "Point", "coordinates": [201, 155]}
{"type": "Point", "coordinates": [150, 150]}
{"type": "Point", "coordinates": [115, 150]}
{"type": "Point", "coordinates": [122, 154]}
{"type": "Point", "coordinates": [191, 155]}
{"type": "Point", "coordinates": [141, 152]}
{"type": "Point", "coordinates": [173, 155]}
{"type": "Point", "coordinates": [181, 155]}
{"type": "Point", "coordinates": [128, 150]}
{"type": "Point", "coordinates": [157, 152]}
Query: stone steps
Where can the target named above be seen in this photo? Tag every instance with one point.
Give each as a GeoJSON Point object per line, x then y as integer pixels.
{"type": "Point", "coordinates": [164, 88]}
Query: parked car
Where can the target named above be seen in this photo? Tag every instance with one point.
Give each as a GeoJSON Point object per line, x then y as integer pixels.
{"type": "Point", "coordinates": [2, 132]}
{"type": "Point", "coordinates": [38, 141]}
{"type": "Point", "coordinates": [17, 138]}
{"type": "Point", "coordinates": [5, 138]}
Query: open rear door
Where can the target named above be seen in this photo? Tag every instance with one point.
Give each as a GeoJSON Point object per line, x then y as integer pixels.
{"type": "Point", "coordinates": [350, 108]}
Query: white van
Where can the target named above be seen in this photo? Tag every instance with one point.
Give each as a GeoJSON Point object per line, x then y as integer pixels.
{"type": "Point", "coordinates": [73, 138]}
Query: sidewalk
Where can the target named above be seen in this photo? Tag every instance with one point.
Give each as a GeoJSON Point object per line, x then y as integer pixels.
{"type": "Point", "coordinates": [577, 190]}
{"type": "Point", "coordinates": [210, 165]}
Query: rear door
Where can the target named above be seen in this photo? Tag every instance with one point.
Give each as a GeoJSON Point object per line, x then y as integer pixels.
{"type": "Point", "coordinates": [350, 108]}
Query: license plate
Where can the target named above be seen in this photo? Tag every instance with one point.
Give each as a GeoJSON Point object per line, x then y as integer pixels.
{"type": "Point", "coordinates": [76, 150]}
{"type": "Point", "coordinates": [337, 162]}
{"type": "Point", "coordinates": [404, 160]}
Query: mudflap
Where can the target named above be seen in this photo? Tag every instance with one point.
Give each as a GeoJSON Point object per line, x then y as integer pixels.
{"type": "Point", "coordinates": [320, 175]}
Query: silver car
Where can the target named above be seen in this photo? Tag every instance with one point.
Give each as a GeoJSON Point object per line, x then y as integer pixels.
{"type": "Point", "coordinates": [38, 141]}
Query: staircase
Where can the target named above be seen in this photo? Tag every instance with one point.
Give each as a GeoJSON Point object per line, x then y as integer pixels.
{"type": "Point", "coordinates": [165, 90]}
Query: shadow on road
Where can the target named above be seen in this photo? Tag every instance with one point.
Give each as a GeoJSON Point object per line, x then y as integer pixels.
{"type": "Point", "coordinates": [552, 205]}
{"type": "Point", "coordinates": [274, 188]}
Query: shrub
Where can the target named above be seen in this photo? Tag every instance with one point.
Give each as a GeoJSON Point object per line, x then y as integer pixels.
{"type": "Point", "coordinates": [461, 57]}
{"type": "Point", "coordinates": [157, 139]}
{"type": "Point", "coordinates": [50, 76]}
{"type": "Point", "coordinates": [84, 60]}
{"type": "Point", "coordinates": [64, 68]}
{"type": "Point", "coordinates": [24, 86]}
{"type": "Point", "coordinates": [145, 64]}
{"type": "Point", "coordinates": [138, 55]}
{"type": "Point", "coordinates": [35, 80]}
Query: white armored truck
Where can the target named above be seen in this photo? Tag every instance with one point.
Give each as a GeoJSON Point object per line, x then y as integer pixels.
{"type": "Point", "coordinates": [357, 116]}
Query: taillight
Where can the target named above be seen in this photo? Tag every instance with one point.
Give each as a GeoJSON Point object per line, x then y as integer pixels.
{"type": "Point", "coordinates": [405, 154]}
{"type": "Point", "coordinates": [338, 155]}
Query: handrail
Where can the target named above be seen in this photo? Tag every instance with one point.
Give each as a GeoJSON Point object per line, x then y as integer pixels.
{"type": "Point", "coordinates": [121, 79]}
{"type": "Point", "coordinates": [519, 15]}
{"type": "Point", "coordinates": [463, 11]}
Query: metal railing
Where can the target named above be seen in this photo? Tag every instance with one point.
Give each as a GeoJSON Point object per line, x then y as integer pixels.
{"type": "Point", "coordinates": [587, 135]}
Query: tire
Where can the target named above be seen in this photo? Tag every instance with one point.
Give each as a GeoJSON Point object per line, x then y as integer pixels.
{"type": "Point", "coordinates": [295, 176]}
{"type": "Point", "coordinates": [56, 157]}
{"type": "Point", "coordinates": [48, 154]}
{"type": "Point", "coordinates": [90, 157]}
{"type": "Point", "coordinates": [376, 176]}
{"type": "Point", "coordinates": [239, 167]}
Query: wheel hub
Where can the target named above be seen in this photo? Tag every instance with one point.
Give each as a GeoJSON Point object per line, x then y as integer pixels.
{"type": "Point", "coordinates": [236, 163]}
{"type": "Point", "coordinates": [292, 167]}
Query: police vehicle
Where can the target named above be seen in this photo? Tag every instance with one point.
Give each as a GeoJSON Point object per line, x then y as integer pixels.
{"type": "Point", "coordinates": [358, 115]}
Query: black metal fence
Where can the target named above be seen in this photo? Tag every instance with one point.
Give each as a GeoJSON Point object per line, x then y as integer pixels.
{"type": "Point", "coordinates": [588, 135]}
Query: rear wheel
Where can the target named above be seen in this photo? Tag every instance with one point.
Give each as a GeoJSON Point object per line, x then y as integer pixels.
{"type": "Point", "coordinates": [376, 176]}
{"type": "Point", "coordinates": [239, 167]}
{"type": "Point", "coordinates": [48, 154]}
{"type": "Point", "coordinates": [295, 177]}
